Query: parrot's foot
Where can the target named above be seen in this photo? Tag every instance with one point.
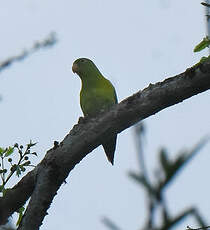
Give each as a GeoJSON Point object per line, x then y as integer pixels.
{"type": "Point", "coordinates": [81, 120]}
{"type": "Point", "coordinates": [56, 144]}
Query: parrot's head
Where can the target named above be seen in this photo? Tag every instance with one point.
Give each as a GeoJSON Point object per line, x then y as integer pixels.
{"type": "Point", "coordinates": [84, 67]}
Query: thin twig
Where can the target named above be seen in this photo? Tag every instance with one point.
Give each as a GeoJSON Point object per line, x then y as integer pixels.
{"type": "Point", "coordinates": [205, 4]}
{"type": "Point", "coordinates": [49, 41]}
{"type": "Point", "coordinates": [200, 228]}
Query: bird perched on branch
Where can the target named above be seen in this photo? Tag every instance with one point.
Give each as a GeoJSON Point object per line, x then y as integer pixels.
{"type": "Point", "coordinates": [97, 93]}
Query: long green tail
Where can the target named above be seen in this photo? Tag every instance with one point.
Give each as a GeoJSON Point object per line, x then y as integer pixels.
{"type": "Point", "coordinates": [109, 147]}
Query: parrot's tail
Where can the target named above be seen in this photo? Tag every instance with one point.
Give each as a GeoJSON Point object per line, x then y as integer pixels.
{"type": "Point", "coordinates": [109, 147]}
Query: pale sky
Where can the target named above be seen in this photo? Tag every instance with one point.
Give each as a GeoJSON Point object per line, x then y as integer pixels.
{"type": "Point", "coordinates": [133, 43]}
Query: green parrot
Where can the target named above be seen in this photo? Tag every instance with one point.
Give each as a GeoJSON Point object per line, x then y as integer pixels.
{"type": "Point", "coordinates": [97, 93]}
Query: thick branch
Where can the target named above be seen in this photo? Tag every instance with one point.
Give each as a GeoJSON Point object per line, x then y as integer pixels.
{"type": "Point", "coordinates": [16, 197]}
{"type": "Point", "coordinates": [89, 133]}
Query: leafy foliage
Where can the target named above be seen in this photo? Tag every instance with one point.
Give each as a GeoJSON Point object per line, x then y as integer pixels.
{"type": "Point", "coordinates": [202, 45]}
{"type": "Point", "coordinates": [10, 167]}
{"type": "Point", "coordinates": [7, 154]}
{"type": "Point", "coordinates": [167, 171]}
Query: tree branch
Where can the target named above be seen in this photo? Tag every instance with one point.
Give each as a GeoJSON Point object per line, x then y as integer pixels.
{"type": "Point", "coordinates": [90, 132]}
{"type": "Point", "coordinates": [50, 40]}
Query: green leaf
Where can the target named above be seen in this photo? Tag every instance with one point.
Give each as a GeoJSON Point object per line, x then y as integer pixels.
{"type": "Point", "coordinates": [5, 191]}
{"type": "Point", "coordinates": [1, 188]}
{"type": "Point", "coordinates": [165, 163]}
{"type": "Point", "coordinates": [22, 168]}
{"type": "Point", "coordinates": [9, 151]}
{"type": "Point", "coordinates": [204, 59]}
{"type": "Point", "coordinates": [20, 211]}
{"type": "Point", "coordinates": [1, 151]}
{"type": "Point", "coordinates": [182, 159]}
{"type": "Point", "coordinates": [31, 144]}
{"type": "Point", "coordinates": [202, 45]}
{"type": "Point", "coordinates": [18, 171]}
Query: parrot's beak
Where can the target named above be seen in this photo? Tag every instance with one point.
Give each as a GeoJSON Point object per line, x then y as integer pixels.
{"type": "Point", "coordinates": [74, 68]}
